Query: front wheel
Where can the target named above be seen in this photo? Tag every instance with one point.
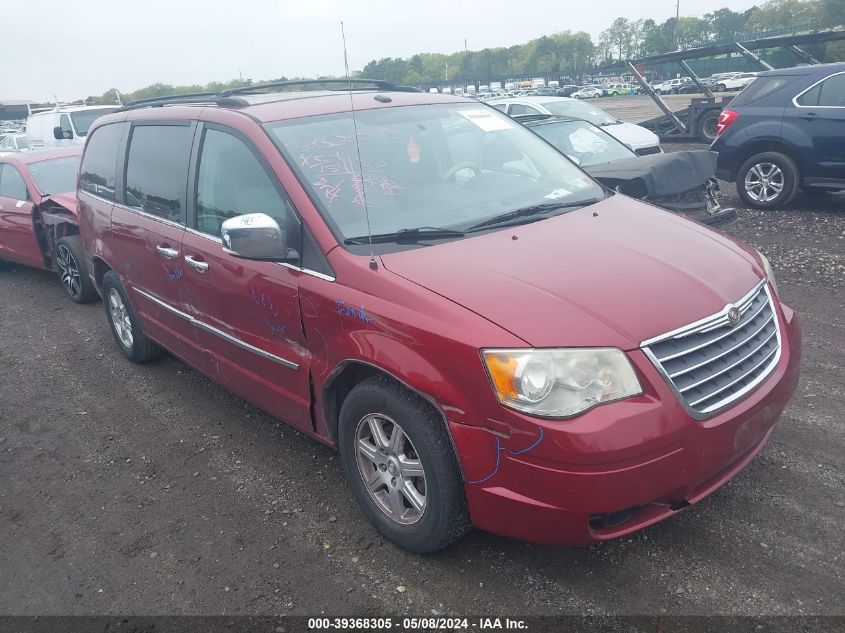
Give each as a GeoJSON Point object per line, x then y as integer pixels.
{"type": "Point", "coordinates": [721, 88]}
{"type": "Point", "coordinates": [400, 464]}
{"type": "Point", "coordinates": [767, 180]}
{"type": "Point", "coordinates": [69, 268]}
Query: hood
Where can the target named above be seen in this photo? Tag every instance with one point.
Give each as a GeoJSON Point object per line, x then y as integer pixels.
{"type": "Point", "coordinates": [611, 274]}
{"type": "Point", "coordinates": [66, 200]}
{"type": "Point", "coordinates": [634, 136]}
{"type": "Point", "coordinates": [659, 174]}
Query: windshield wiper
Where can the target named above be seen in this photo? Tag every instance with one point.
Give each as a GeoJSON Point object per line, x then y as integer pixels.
{"type": "Point", "coordinates": [406, 235]}
{"type": "Point", "coordinates": [513, 217]}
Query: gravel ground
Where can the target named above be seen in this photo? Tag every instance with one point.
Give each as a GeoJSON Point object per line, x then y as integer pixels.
{"type": "Point", "coordinates": [148, 489]}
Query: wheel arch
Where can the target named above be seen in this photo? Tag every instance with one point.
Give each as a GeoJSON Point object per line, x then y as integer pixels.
{"type": "Point", "coordinates": [100, 270]}
{"type": "Point", "coordinates": [349, 373]}
{"type": "Point", "coordinates": [760, 146]}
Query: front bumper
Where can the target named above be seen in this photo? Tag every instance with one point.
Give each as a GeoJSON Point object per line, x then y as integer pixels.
{"type": "Point", "coordinates": [619, 467]}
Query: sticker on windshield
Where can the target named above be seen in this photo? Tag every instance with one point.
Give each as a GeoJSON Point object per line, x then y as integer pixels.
{"type": "Point", "coordinates": [486, 120]}
{"type": "Point", "coordinates": [557, 193]}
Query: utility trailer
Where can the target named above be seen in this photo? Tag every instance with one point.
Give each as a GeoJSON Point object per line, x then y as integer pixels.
{"type": "Point", "coordinates": [700, 119]}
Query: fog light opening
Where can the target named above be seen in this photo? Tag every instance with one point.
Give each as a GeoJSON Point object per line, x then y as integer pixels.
{"type": "Point", "coordinates": [611, 519]}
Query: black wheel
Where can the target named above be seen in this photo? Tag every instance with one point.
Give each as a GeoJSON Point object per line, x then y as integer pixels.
{"type": "Point", "coordinates": [707, 125]}
{"type": "Point", "coordinates": [400, 464]}
{"type": "Point", "coordinates": [721, 88]}
{"type": "Point", "coordinates": [71, 271]}
{"type": "Point", "coordinates": [767, 180]}
{"type": "Point", "coordinates": [124, 324]}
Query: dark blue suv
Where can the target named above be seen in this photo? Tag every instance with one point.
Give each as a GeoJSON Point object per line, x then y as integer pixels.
{"type": "Point", "coordinates": [783, 132]}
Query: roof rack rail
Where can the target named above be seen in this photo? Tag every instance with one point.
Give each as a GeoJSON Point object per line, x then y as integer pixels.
{"type": "Point", "coordinates": [227, 97]}
{"type": "Point", "coordinates": [377, 83]}
{"type": "Point", "coordinates": [186, 98]}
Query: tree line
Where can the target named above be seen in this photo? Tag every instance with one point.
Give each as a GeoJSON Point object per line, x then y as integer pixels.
{"type": "Point", "coordinates": [567, 52]}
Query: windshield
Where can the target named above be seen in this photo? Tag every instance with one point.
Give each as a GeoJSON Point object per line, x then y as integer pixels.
{"type": "Point", "coordinates": [584, 142]}
{"type": "Point", "coordinates": [57, 175]}
{"type": "Point", "coordinates": [444, 165]}
{"type": "Point", "coordinates": [578, 110]}
{"type": "Point", "coordinates": [82, 119]}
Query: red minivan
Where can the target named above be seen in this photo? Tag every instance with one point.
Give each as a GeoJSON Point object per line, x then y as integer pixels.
{"type": "Point", "coordinates": [487, 335]}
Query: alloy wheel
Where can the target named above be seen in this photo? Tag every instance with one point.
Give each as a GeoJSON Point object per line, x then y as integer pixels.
{"type": "Point", "coordinates": [120, 319]}
{"type": "Point", "coordinates": [68, 271]}
{"type": "Point", "coordinates": [764, 182]}
{"type": "Point", "coordinates": [390, 468]}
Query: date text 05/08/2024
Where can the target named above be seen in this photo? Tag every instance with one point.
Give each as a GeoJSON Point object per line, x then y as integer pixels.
{"type": "Point", "coordinates": [417, 624]}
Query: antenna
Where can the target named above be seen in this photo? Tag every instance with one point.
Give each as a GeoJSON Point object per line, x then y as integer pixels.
{"type": "Point", "coordinates": [373, 263]}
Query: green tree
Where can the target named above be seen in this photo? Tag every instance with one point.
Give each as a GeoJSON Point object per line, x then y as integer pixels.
{"type": "Point", "coordinates": [724, 23]}
{"type": "Point", "coordinates": [653, 40]}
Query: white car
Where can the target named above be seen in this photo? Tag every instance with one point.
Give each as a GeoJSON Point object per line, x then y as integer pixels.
{"type": "Point", "coordinates": [639, 139]}
{"type": "Point", "coordinates": [63, 125]}
{"type": "Point", "coordinates": [737, 81]}
{"type": "Point", "coordinates": [14, 142]}
{"type": "Point", "coordinates": [588, 92]}
{"type": "Point", "coordinates": [670, 86]}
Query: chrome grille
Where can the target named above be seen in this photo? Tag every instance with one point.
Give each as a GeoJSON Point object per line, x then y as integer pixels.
{"type": "Point", "coordinates": [712, 363]}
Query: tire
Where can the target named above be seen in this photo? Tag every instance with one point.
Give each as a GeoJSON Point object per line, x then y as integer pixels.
{"type": "Point", "coordinates": [71, 270]}
{"type": "Point", "coordinates": [707, 125]}
{"type": "Point", "coordinates": [721, 88]}
{"type": "Point", "coordinates": [389, 406]}
{"type": "Point", "coordinates": [768, 169]}
{"type": "Point", "coordinates": [120, 315]}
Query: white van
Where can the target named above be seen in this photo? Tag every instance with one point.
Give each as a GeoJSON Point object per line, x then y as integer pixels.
{"type": "Point", "coordinates": [63, 125]}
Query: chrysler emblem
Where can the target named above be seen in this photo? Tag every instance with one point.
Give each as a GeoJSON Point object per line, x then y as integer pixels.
{"type": "Point", "coordinates": [733, 315]}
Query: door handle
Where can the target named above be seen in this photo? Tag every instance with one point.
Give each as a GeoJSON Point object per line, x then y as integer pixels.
{"type": "Point", "coordinates": [809, 116]}
{"type": "Point", "coordinates": [196, 264]}
{"type": "Point", "coordinates": [166, 251]}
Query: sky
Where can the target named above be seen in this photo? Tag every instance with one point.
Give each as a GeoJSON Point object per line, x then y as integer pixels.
{"type": "Point", "coordinates": [73, 50]}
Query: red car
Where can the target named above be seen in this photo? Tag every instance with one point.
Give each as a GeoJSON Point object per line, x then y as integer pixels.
{"type": "Point", "coordinates": [486, 340]}
{"type": "Point", "coordinates": [38, 222]}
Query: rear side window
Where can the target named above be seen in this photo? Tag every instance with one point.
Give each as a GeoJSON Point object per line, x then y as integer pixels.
{"type": "Point", "coordinates": [157, 170]}
{"type": "Point", "coordinates": [829, 93]}
{"type": "Point", "coordinates": [98, 164]}
{"type": "Point", "coordinates": [762, 87]}
{"type": "Point", "coordinates": [12, 184]}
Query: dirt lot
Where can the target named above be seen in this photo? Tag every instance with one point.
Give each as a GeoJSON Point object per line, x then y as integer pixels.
{"type": "Point", "coordinates": [148, 489]}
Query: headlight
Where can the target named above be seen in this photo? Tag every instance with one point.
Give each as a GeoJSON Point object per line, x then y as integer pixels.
{"type": "Point", "coordinates": [559, 382]}
{"type": "Point", "coordinates": [770, 275]}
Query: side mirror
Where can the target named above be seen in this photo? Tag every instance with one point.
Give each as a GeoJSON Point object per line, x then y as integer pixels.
{"type": "Point", "coordinates": [255, 236]}
{"type": "Point", "coordinates": [60, 134]}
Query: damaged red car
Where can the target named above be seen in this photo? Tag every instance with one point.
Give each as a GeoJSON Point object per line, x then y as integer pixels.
{"type": "Point", "coordinates": [487, 335]}
{"type": "Point", "coordinates": [38, 222]}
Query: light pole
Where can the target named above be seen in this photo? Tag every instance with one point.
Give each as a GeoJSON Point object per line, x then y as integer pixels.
{"type": "Point", "coordinates": [677, 19]}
